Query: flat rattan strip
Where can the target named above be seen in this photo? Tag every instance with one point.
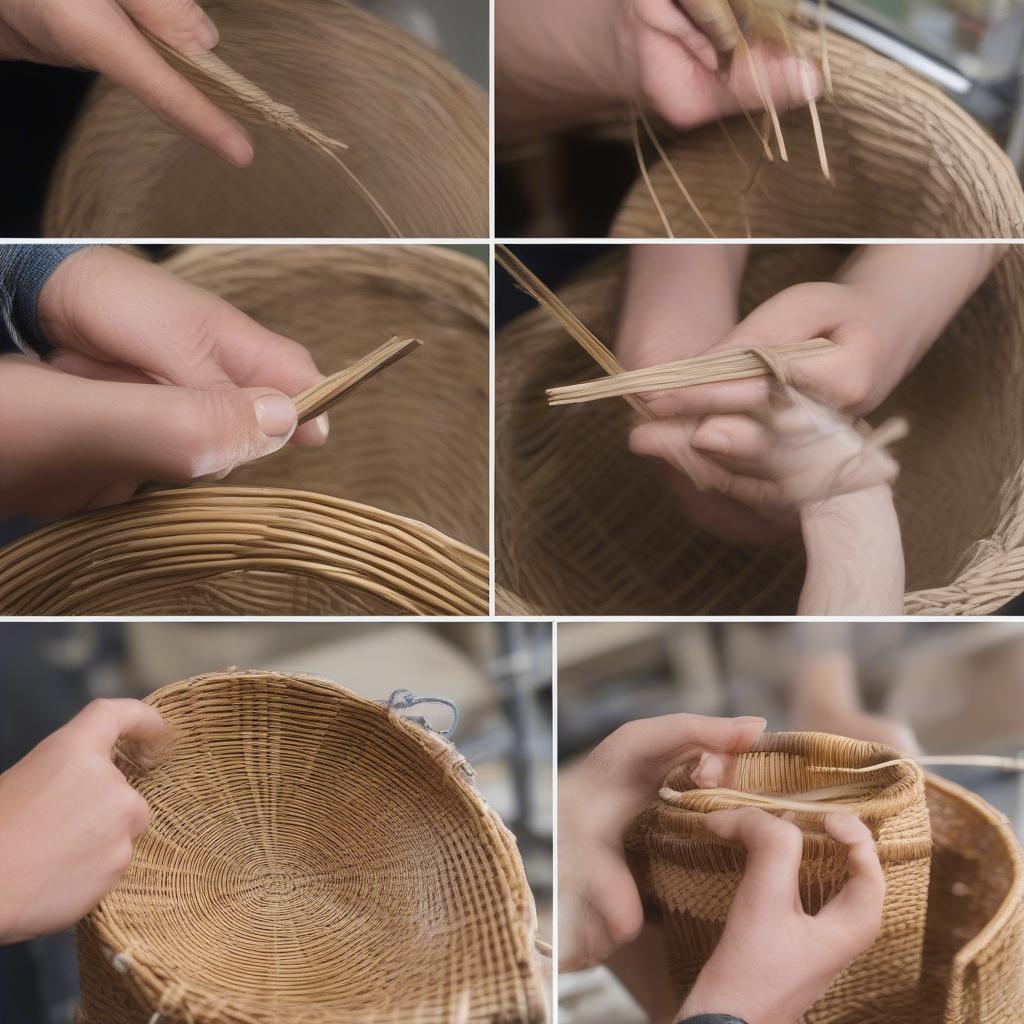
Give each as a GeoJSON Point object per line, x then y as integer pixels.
{"type": "Point", "coordinates": [131, 559]}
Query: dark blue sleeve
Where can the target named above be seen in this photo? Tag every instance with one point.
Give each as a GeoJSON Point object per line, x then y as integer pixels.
{"type": "Point", "coordinates": [24, 269]}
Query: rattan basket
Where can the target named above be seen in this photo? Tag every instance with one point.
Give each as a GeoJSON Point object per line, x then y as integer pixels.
{"type": "Point", "coordinates": [415, 127]}
{"type": "Point", "coordinates": [905, 161]}
{"type": "Point", "coordinates": [312, 856]}
{"type": "Point", "coordinates": [584, 527]}
{"type": "Point", "coordinates": [951, 945]}
{"type": "Point", "coordinates": [389, 517]}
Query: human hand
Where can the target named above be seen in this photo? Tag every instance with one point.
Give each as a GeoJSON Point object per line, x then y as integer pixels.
{"type": "Point", "coordinates": [774, 961]}
{"type": "Point", "coordinates": [151, 379]}
{"type": "Point", "coordinates": [560, 62]}
{"type": "Point", "coordinates": [599, 905]}
{"type": "Point", "coordinates": [104, 36]}
{"type": "Point", "coordinates": [68, 818]}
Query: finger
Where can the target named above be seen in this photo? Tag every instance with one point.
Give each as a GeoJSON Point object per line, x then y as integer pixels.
{"type": "Point", "coordinates": [106, 722]}
{"type": "Point", "coordinates": [718, 399]}
{"type": "Point", "coordinates": [858, 905]}
{"type": "Point", "coordinates": [79, 365]}
{"type": "Point", "coordinates": [124, 56]}
{"type": "Point", "coordinates": [665, 17]}
{"type": "Point", "coordinates": [182, 24]}
{"type": "Point", "coordinates": [739, 443]}
{"type": "Point", "coordinates": [789, 81]}
{"type": "Point", "coordinates": [774, 850]}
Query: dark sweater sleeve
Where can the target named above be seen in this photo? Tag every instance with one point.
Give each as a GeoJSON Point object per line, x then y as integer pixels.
{"type": "Point", "coordinates": [24, 269]}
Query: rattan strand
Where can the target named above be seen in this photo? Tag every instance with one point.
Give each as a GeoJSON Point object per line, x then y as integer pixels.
{"type": "Point", "coordinates": [312, 857]}
{"type": "Point", "coordinates": [951, 947]}
{"type": "Point", "coordinates": [905, 161]}
{"type": "Point", "coordinates": [241, 551]}
{"type": "Point", "coordinates": [415, 128]}
{"type": "Point", "coordinates": [584, 527]}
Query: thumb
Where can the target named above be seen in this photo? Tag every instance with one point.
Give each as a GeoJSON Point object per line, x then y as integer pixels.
{"type": "Point", "coordinates": [790, 81]}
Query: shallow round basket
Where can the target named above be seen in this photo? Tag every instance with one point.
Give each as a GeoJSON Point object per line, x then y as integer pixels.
{"type": "Point", "coordinates": [312, 856]}
{"type": "Point", "coordinates": [241, 551]}
{"type": "Point", "coordinates": [584, 527]}
{"type": "Point", "coordinates": [415, 440]}
{"type": "Point", "coordinates": [415, 127]}
{"type": "Point", "coordinates": [905, 161]}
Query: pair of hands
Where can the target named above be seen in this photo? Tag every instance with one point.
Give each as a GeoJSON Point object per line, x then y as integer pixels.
{"type": "Point", "coordinates": [773, 961]}
{"type": "Point", "coordinates": [68, 818]}
{"type": "Point", "coordinates": [885, 309]}
{"type": "Point", "coordinates": [150, 379]}
{"type": "Point", "coordinates": [560, 62]}
{"type": "Point", "coordinates": [104, 36]}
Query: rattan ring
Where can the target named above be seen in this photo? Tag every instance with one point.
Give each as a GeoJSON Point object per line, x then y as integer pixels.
{"type": "Point", "coordinates": [312, 857]}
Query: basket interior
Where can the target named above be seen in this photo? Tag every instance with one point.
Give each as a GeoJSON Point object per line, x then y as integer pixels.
{"type": "Point", "coordinates": [312, 857]}
{"type": "Point", "coordinates": [584, 527]}
{"type": "Point", "coordinates": [415, 127]}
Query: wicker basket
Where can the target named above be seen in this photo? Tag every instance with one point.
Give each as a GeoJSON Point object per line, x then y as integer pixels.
{"type": "Point", "coordinates": [584, 527]}
{"type": "Point", "coordinates": [905, 161]}
{"type": "Point", "coordinates": [312, 857]}
{"type": "Point", "coordinates": [951, 946]}
{"type": "Point", "coordinates": [389, 517]}
{"type": "Point", "coordinates": [416, 131]}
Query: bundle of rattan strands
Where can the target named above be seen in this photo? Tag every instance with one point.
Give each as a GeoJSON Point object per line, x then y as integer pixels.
{"type": "Point", "coordinates": [358, 129]}
{"type": "Point", "coordinates": [312, 856]}
{"type": "Point", "coordinates": [904, 161]}
{"type": "Point", "coordinates": [951, 944]}
{"type": "Point", "coordinates": [585, 527]}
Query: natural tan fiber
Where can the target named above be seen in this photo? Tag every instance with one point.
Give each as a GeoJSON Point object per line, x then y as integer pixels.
{"type": "Point", "coordinates": [904, 161]}
{"type": "Point", "coordinates": [312, 856]}
{"type": "Point", "coordinates": [331, 390]}
{"type": "Point", "coordinates": [945, 919]}
{"type": "Point", "coordinates": [311, 77]}
{"type": "Point", "coordinates": [241, 551]}
{"type": "Point", "coordinates": [417, 443]}
{"type": "Point", "coordinates": [582, 526]}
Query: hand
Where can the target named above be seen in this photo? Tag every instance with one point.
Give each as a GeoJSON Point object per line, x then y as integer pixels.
{"type": "Point", "coordinates": [774, 961]}
{"type": "Point", "coordinates": [559, 62]}
{"type": "Point", "coordinates": [104, 36]}
{"type": "Point", "coordinates": [68, 818]}
{"type": "Point", "coordinates": [599, 905]}
{"type": "Point", "coordinates": [151, 379]}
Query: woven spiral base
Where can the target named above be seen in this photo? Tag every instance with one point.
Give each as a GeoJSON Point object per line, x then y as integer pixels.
{"type": "Point", "coordinates": [415, 127]}
{"type": "Point", "coordinates": [951, 946]}
{"type": "Point", "coordinates": [905, 161]}
{"type": "Point", "coordinates": [241, 551]}
{"type": "Point", "coordinates": [584, 527]}
{"type": "Point", "coordinates": [311, 857]}
{"type": "Point", "coordinates": [416, 441]}
{"type": "Point", "coordinates": [690, 876]}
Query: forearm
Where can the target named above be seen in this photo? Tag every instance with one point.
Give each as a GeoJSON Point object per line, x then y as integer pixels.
{"type": "Point", "coordinates": [680, 300]}
{"type": "Point", "coordinates": [913, 291]}
{"type": "Point", "coordinates": [24, 269]}
{"type": "Point", "coordinates": [855, 560]}
{"type": "Point", "coordinates": [554, 65]}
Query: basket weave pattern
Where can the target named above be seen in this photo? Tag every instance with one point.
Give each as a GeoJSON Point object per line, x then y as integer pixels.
{"type": "Point", "coordinates": [312, 857]}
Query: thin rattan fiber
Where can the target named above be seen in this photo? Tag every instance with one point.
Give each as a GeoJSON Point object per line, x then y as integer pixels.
{"type": "Point", "coordinates": [389, 517]}
{"type": "Point", "coordinates": [905, 161]}
{"type": "Point", "coordinates": [582, 526]}
{"type": "Point", "coordinates": [317, 73]}
{"type": "Point", "coordinates": [951, 943]}
{"type": "Point", "coordinates": [312, 857]}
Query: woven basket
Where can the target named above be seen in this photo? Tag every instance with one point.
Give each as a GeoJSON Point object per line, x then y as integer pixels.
{"type": "Point", "coordinates": [584, 527]}
{"type": "Point", "coordinates": [312, 856]}
{"type": "Point", "coordinates": [951, 945]}
{"type": "Point", "coordinates": [905, 161]}
{"type": "Point", "coordinates": [416, 131]}
{"type": "Point", "coordinates": [389, 517]}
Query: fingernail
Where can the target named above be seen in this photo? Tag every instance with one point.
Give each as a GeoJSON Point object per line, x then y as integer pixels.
{"type": "Point", "coordinates": [238, 150]}
{"type": "Point", "coordinates": [751, 718]}
{"type": "Point", "coordinates": [323, 426]}
{"type": "Point", "coordinates": [811, 83]}
{"type": "Point", "coordinates": [275, 415]}
{"type": "Point", "coordinates": [208, 36]}
{"type": "Point", "coordinates": [711, 439]}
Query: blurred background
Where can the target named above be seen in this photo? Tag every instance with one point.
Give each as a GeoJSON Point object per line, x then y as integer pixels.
{"type": "Point", "coordinates": [49, 98]}
{"type": "Point", "coordinates": [498, 674]}
{"type": "Point", "coordinates": [949, 688]}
